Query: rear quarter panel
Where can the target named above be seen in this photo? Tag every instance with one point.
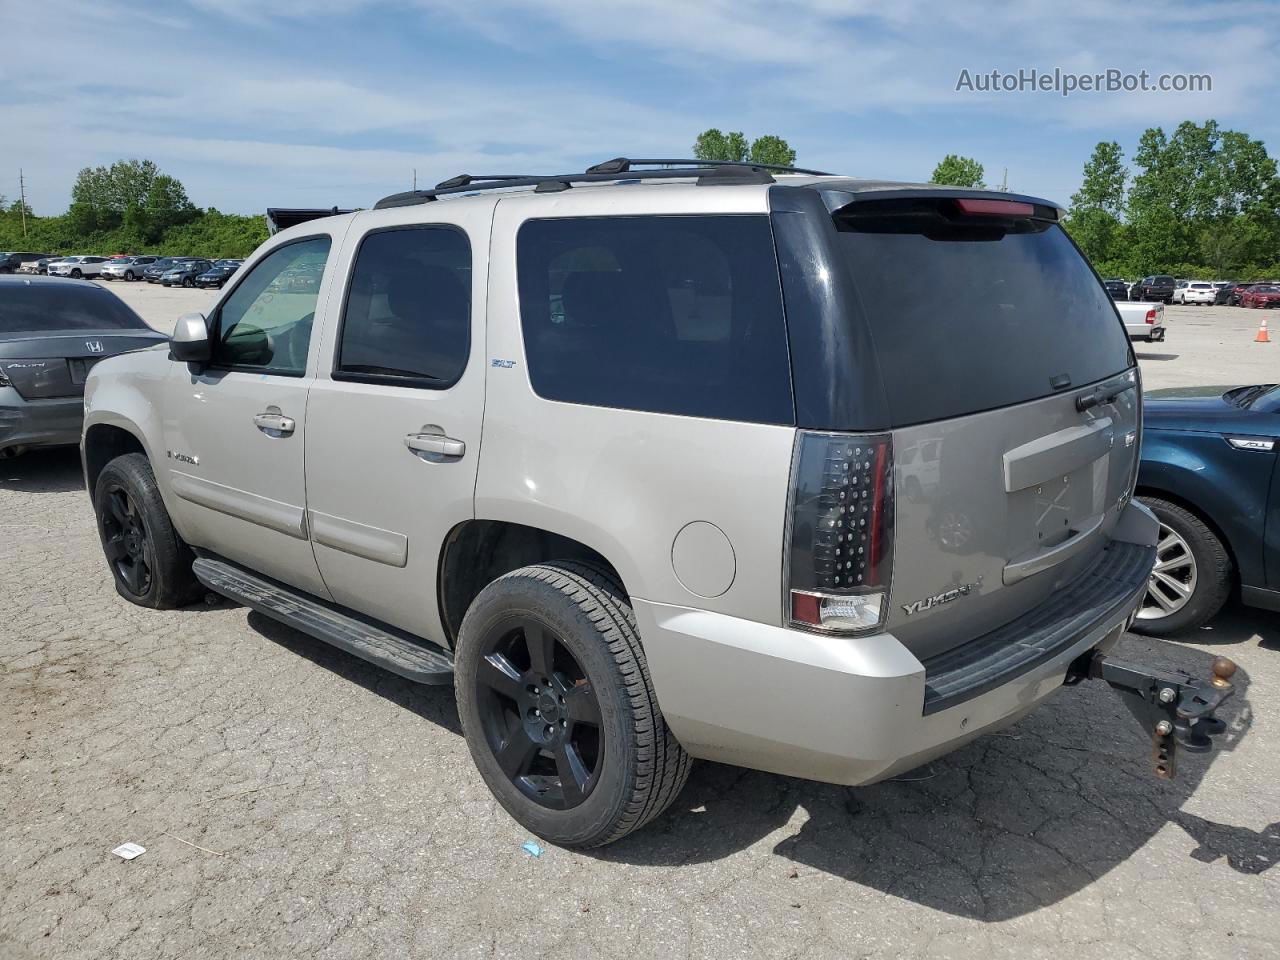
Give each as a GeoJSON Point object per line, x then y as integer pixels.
{"type": "Point", "coordinates": [626, 482]}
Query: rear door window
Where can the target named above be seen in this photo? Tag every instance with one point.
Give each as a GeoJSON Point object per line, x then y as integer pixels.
{"type": "Point", "coordinates": [968, 315]}
{"type": "Point", "coordinates": [669, 314]}
{"type": "Point", "coordinates": [407, 319]}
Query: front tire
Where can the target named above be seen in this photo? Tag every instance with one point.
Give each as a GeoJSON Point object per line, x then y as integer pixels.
{"type": "Point", "coordinates": [129, 277]}
{"type": "Point", "coordinates": [1192, 576]}
{"type": "Point", "coordinates": [188, 282]}
{"type": "Point", "coordinates": [76, 275]}
{"type": "Point", "coordinates": [150, 563]}
{"type": "Point", "coordinates": [558, 709]}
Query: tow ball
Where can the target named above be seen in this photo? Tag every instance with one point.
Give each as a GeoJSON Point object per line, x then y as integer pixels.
{"type": "Point", "coordinates": [1176, 709]}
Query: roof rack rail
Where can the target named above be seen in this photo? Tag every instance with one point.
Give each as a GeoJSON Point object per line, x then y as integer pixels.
{"type": "Point", "coordinates": [627, 164]}
{"type": "Point", "coordinates": [708, 172]}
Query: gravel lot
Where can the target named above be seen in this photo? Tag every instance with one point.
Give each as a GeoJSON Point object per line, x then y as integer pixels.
{"type": "Point", "coordinates": [296, 802]}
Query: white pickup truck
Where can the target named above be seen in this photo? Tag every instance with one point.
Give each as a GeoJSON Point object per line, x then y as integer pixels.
{"type": "Point", "coordinates": [1142, 321]}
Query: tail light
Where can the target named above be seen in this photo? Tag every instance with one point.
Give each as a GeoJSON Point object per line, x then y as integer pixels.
{"type": "Point", "coordinates": [1151, 316]}
{"type": "Point", "coordinates": [840, 537]}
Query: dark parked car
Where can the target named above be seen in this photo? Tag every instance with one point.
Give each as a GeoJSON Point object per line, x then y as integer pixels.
{"type": "Point", "coordinates": [1236, 291]}
{"type": "Point", "coordinates": [1261, 295]}
{"type": "Point", "coordinates": [153, 273]}
{"type": "Point", "coordinates": [218, 274]}
{"type": "Point", "coordinates": [184, 273]}
{"type": "Point", "coordinates": [1149, 289]}
{"type": "Point", "coordinates": [1223, 296]}
{"type": "Point", "coordinates": [52, 331]}
{"type": "Point", "coordinates": [10, 262]}
{"type": "Point", "coordinates": [1118, 289]}
{"type": "Point", "coordinates": [1207, 472]}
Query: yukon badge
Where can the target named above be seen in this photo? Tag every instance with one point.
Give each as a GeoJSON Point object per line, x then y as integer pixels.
{"type": "Point", "coordinates": [937, 599]}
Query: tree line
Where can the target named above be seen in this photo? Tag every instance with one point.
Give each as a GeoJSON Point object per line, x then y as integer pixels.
{"type": "Point", "coordinates": [130, 207]}
{"type": "Point", "coordinates": [1201, 202]}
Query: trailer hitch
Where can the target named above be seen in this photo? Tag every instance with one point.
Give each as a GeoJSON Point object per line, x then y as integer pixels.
{"type": "Point", "coordinates": [1176, 709]}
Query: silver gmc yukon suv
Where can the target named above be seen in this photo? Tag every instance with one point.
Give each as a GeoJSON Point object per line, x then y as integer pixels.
{"type": "Point", "coordinates": [661, 461]}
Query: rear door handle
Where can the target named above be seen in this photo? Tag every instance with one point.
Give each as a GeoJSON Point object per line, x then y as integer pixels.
{"type": "Point", "coordinates": [273, 424]}
{"type": "Point", "coordinates": [435, 446]}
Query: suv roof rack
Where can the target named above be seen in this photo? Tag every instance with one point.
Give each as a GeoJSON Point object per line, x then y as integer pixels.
{"type": "Point", "coordinates": [708, 172]}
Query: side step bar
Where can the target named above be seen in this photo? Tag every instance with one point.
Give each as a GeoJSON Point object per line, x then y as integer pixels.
{"type": "Point", "coordinates": [384, 646]}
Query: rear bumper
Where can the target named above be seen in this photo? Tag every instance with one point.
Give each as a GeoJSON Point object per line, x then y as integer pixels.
{"type": "Point", "coordinates": [39, 423]}
{"type": "Point", "coordinates": [1145, 331]}
{"type": "Point", "coordinates": [854, 710]}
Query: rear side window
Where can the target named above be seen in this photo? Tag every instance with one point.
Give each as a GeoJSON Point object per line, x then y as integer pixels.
{"type": "Point", "coordinates": [36, 307]}
{"type": "Point", "coordinates": [968, 315]}
{"type": "Point", "coordinates": [668, 314]}
{"type": "Point", "coordinates": [408, 314]}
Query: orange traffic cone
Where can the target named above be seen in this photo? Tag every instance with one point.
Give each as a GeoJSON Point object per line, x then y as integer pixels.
{"type": "Point", "coordinates": [1263, 336]}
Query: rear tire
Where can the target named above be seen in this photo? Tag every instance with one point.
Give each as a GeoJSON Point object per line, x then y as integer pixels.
{"type": "Point", "coordinates": [1196, 569]}
{"type": "Point", "coordinates": [149, 562]}
{"type": "Point", "coordinates": [558, 709]}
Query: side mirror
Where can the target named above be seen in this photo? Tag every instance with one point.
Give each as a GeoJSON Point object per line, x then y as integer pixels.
{"type": "Point", "coordinates": [190, 340]}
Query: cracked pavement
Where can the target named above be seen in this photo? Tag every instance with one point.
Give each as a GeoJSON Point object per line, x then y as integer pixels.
{"type": "Point", "coordinates": [340, 816]}
{"type": "Point", "coordinates": [296, 802]}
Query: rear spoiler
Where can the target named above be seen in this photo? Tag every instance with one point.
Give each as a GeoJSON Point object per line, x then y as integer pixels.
{"type": "Point", "coordinates": [836, 199]}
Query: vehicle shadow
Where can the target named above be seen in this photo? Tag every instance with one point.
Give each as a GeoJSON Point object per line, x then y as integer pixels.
{"type": "Point", "coordinates": [1014, 822]}
{"type": "Point", "coordinates": [52, 470]}
{"type": "Point", "coordinates": [1239, 624]}
{"type": "Point", "coordinates": [435, 704]}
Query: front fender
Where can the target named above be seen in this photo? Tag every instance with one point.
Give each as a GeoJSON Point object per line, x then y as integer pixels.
{"type": "Point", "coordinates": [125, 392]}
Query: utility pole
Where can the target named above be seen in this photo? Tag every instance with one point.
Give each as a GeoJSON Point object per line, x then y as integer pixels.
{"type": "Point", "coordinates": [22, 200]}
{"type": "Point", "coordinates": [415, 179]}
{"type": "Point", "coordinates": [1004, 183]}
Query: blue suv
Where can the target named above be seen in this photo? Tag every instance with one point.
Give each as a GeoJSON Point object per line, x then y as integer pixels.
{"type": "Point", "coordinates": [1209, 473]}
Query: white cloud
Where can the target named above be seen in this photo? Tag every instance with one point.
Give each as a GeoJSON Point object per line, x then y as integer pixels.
{"type": "Point", "coordinates": [854, 84]}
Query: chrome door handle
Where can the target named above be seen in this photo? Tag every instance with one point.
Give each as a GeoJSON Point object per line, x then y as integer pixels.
{"type": "Point", "coordinates": [435, 446]}
{"type": "Point", "coordinates": [274, 424]}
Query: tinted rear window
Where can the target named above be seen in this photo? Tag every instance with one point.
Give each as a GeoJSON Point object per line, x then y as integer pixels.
{"type": "Point", "coordinates": [670, 314]}
{"type": "Point", "coordinates": [971, 316]}
{"type": "Point", "coordinates": [35, 307]}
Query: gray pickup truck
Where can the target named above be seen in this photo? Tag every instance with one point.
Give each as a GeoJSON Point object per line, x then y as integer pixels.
{"type": "Point", "coordinates": [655, 462]}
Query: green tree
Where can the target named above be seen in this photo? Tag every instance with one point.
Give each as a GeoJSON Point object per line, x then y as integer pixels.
{"type": "Point", "coordinates": [1094, 218]}
{"type": "Point", "coordinates": [129, 194]}
{"type": "Point", "coordinates": [732, 147]}
{"type": "Point", "coordinates": [958, 171]}
{"type": "Point", "coordinates": [772, 149]}
{"type": "Point", "coordinates": [714, 145]}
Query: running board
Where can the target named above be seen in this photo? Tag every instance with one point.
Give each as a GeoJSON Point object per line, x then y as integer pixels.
{"type": "Point", "coordinates": [394, 651]}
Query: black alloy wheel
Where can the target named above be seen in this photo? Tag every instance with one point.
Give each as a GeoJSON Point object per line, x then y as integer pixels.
{"type": "Point", "coordinates": [539, 713]}
{"type": "Point", "coordinates": [126, 542]}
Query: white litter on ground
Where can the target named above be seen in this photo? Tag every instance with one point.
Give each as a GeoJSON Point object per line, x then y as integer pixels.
{"type": "Point", "coordinates": [127, 851]}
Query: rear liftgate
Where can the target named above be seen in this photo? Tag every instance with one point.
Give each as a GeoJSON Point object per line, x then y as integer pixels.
{"type": "Point", "coordinates": [1174, 708]}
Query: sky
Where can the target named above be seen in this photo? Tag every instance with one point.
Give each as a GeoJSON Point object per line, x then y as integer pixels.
{"type": "Point", "coordinates": [297, 103]}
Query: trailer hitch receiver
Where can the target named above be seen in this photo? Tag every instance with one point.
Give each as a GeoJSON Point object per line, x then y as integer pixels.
{"type": "Point", "coordinates": [1175, 709]}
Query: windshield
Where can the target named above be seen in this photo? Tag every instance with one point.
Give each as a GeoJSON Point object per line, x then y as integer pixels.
{"type": "Point", "coordinates": [31, 308]}
{"type": "Point", "coordinates": [1018, 309]}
